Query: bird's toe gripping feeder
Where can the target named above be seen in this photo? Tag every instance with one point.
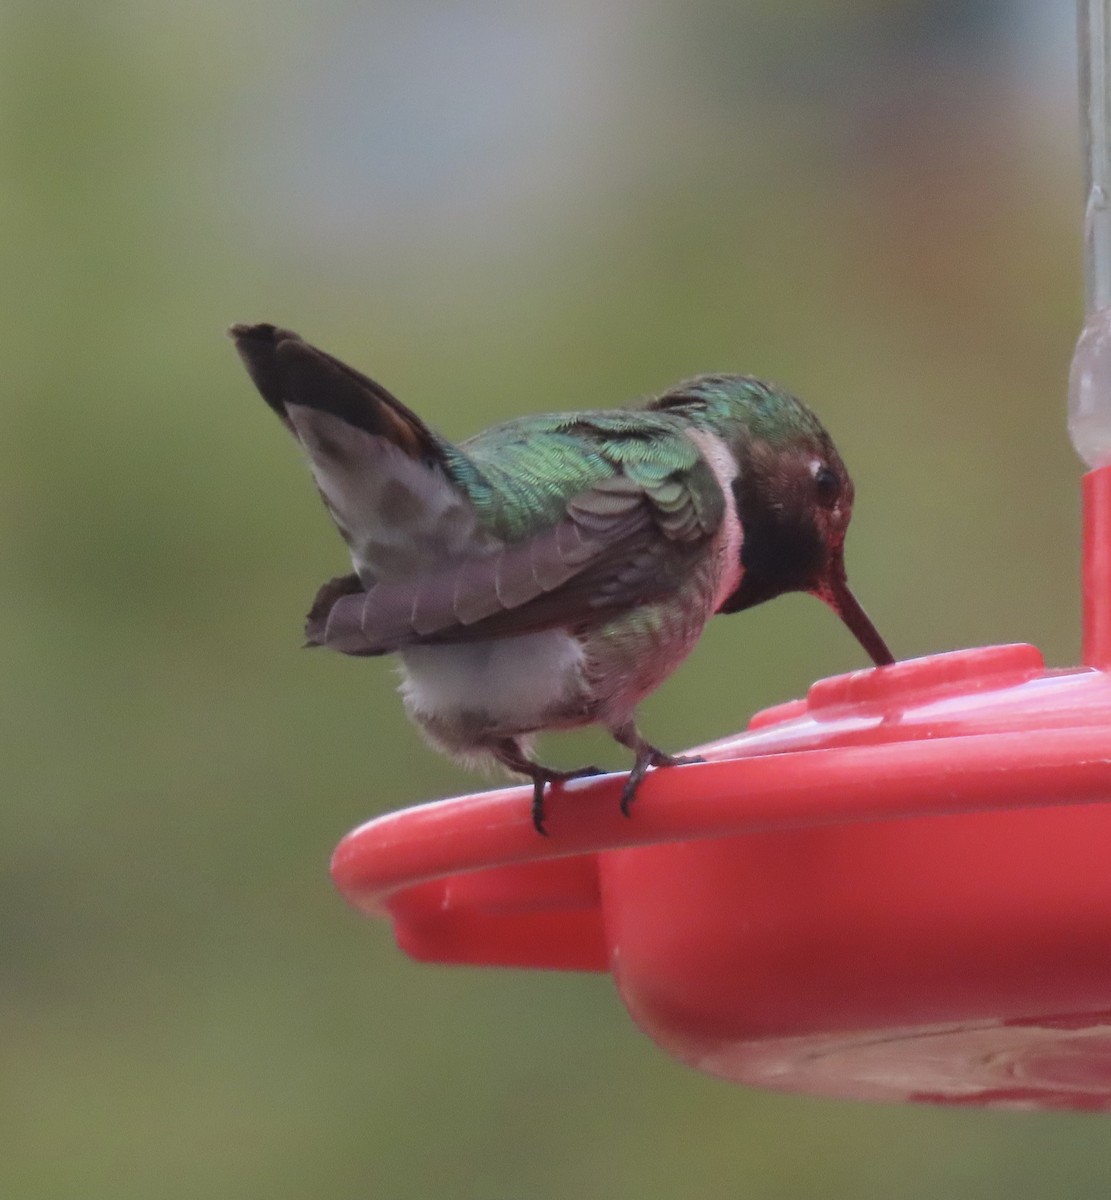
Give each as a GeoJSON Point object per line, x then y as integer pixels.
{"type": "Point", "coordinates": [898, 888]}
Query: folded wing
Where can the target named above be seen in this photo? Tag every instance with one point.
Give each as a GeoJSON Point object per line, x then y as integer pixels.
{"type": "Point", "coordinates": [630, 538]}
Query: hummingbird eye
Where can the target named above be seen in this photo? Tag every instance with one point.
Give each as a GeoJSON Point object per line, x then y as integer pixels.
{"type": "Point", "coordinates": [827, 486]}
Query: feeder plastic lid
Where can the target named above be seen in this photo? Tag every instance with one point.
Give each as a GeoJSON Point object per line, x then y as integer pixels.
{"type": "Point", "coordinates": [857, 865]}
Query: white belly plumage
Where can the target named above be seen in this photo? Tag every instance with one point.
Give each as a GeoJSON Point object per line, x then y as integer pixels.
{"type": "Point", "coordinates": [508, 686]}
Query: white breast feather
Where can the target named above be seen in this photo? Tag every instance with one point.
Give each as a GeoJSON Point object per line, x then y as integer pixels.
{"type": "Point", "coordinates": [730, 536]}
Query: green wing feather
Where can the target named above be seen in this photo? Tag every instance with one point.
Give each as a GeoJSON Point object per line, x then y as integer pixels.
{"type": "Point", "coordinates": [523, 474]}
{"type": "Point", "coordinates": [597, 514]}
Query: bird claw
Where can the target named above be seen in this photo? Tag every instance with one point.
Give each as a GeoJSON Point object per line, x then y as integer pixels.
{"type": "Point", "coordinates": [538, 805]}
{"type": "Point", "coordinates": [545, 777]}
{"type": "Point", "coordinates": [651, 758]}
{"type": "Point", "coordinates": [648, 757]}
{"type": "Point", "coordinates": [677, 760]}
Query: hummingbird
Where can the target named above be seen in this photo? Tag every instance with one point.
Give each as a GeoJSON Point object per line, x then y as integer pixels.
{"type": "Point", "coordinates": [552, 571]}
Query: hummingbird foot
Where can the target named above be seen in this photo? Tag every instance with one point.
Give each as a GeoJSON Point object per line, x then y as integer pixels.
{"type": "Point", "coordinates": [513, 758]}
{"type": "Point", "coordinates": [647, 756]}
{"type": "Point", "coordinates": [545, 775]}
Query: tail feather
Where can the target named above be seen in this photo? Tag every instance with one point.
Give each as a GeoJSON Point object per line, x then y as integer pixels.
{"type": "Point", "coordinates": [289, 372]}
{"type": "Point", "coordinates": [389, 482]}
{"type": "Point", "coordinates": [256, 345]}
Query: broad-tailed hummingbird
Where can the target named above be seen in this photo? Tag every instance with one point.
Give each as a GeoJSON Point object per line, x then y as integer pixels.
{"type": "Point", "coordinates": [552, 571]}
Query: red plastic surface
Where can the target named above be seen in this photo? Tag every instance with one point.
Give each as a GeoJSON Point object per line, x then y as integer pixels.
{"type": "Point", "coordinates": [897, 888]}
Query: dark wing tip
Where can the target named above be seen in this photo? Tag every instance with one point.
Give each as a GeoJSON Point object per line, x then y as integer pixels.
{"type": "Point", "coordinates": [241, 331]}
{"type": "Point", "coordinates": [346, 635]}
{"type": "Point", "coordinates": [326, 596]}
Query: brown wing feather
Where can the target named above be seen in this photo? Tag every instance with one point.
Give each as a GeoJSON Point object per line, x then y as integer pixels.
{"type": "Point", "coordinates": [619, 543]}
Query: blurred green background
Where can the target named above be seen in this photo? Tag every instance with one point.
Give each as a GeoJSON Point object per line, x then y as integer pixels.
{"type": "Point", "coordinates": [493, 209]}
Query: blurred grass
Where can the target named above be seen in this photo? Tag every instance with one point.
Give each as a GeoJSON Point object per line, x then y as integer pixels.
{"type": "Point", "coordinates": [188, 1008]}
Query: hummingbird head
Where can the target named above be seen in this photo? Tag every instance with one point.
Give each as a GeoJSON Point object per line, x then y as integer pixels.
{"type": "Point", "coordinates": [793, 494]}
{"type": "Point", "coordinates": [794, 502]}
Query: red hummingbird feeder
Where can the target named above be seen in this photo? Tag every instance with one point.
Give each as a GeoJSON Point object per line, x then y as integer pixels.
{"type": "Point", "coordinates": [898, 888]}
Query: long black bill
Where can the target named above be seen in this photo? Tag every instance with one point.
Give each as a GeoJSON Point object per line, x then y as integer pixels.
{"type": "Point", "coordinates": [834, 590]}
